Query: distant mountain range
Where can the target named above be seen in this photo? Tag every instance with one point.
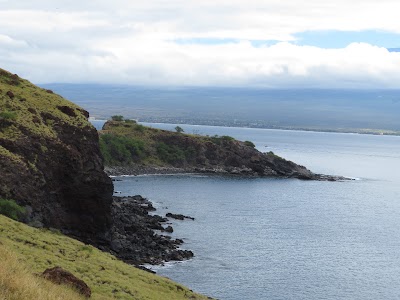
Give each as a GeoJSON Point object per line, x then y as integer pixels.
{"type": "Point", "coordinates": [314, 109]}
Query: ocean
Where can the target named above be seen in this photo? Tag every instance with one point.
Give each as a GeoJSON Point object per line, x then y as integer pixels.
{"type": "Point", "coordinates": [260, 238]}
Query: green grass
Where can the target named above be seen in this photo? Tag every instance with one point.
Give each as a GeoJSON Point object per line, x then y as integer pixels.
{"type": "Point", "coordinates": [29, 103]}
{"type": "Point", "coordinates": [11, 209]}
{"type": "Point", "coordinates": [155, 147]}
{"type": "Point", "coordinates": [108, 277]}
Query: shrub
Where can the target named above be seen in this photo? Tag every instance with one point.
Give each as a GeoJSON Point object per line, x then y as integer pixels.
{"type": "Point", "coordinates": [270, 153]}
{"type": "Point", "coordinates": [220, 139]}
{"type": "Point", "coordinates": [170, 153]}
{"type": "Point", "coordinates": [227, 138]}
{"type": "Point", "coordinates": [179, 129]}
{"type": "Point", "coordinates": [250, 144]}
{"type": "Point", "coordinates": [8, 115]}
{"type": "Point", "coordinates": [140, 128]}
{"type": "Point", "coordinates": [11, 209]}
{"type": "Point", "coordinates": [117, 118]}
{"type": "Point", "coordinates": [120, 149]}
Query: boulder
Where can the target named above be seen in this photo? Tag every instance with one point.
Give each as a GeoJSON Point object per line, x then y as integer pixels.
{"type": "Point", "coordinates": [58, 275]}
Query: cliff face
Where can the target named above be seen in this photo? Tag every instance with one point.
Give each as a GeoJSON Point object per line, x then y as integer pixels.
{"type": "Point", "coordinates": [50, 160]}
{"type": "Point", "coordinates": [132, 148]}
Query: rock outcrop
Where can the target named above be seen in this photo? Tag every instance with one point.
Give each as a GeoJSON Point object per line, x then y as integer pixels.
{"type": "Point", "coordinates": [58, 275]}
{"type": "Point", "coordinates": [132, 234]}
{"type": "Point", "coordinates": [50, 160]}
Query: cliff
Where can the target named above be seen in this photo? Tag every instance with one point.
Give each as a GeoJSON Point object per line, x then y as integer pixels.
{"type": "Point", "coordinates": [130, 148]}
{"type": "Point", "coordinates": [50, 160]}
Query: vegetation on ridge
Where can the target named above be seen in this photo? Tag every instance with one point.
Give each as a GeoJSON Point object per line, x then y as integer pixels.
{"type": "Point", "coordinates": [125, 142]}
{"type": "Point", "coordinates": [26, 109]}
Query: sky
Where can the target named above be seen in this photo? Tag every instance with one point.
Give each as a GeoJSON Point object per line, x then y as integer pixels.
{"type": "Point", "coordinates": [260, 43]}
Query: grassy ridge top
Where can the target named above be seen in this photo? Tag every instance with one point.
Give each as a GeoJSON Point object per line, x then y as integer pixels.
{"type": "Point", "coordinates": [109, 278]}
{"type": "Point", "coordinates": [126, 142]}
{"type": "Point", "coordinates": [26, 109]}
{"type": "Point", "coordinates": [29, 104]}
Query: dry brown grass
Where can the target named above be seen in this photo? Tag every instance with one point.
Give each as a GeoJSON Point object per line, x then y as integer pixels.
{"type": "Point", "coordinates": [18, 283]}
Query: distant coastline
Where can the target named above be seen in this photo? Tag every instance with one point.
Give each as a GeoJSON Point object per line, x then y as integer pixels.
{"type": "Point", "coordinates": [98, 123]}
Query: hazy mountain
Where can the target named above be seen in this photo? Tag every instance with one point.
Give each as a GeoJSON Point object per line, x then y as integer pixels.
{"type": "Point", "coordinates": [300, 108]}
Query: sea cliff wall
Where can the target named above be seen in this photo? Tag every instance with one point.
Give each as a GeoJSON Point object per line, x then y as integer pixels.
{"type": "Point", "coordinates": [50, 160]}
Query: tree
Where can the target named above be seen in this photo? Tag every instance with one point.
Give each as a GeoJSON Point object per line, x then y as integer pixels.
{"type": "Point", "coordinates": [179, 129]}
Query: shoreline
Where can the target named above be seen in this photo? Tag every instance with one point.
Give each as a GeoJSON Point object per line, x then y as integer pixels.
{"type": "Point", "coordinates": [365, 131]}
{"type": "Point", "coordinates": [120, 171]}
{"type": "Point", "coordinates": [139, 237]}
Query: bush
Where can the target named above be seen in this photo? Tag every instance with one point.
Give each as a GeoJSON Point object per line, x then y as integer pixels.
{"type": "Point", "coordinates": [250, 144]}
{"type": "Point", "coordinates": [11, 209]}
{"type": "Point", "coordinates": [120, 149]}
{"type": "Point", "coordinates": [140, 128]}
{"type": "Point", "coordinates": [170, 153]}
{"type": "Point", "coordinates": [8, 115]}
{"type": "Point", "coordinates": [270, 153]}
{"type": "Point", "coordinates": [117, 118]}
{"type": "Point", "coordinates": [221, 139]}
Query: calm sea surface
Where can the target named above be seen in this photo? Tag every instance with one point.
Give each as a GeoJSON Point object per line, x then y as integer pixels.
{"type": "Point", "coordinates": [287, 238]}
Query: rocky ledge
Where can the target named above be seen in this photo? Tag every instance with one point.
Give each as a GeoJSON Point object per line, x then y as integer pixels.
{"type": "Point", "coordinates": [136, 236]}
{"type": "Point", "coordinates": [304, 174]}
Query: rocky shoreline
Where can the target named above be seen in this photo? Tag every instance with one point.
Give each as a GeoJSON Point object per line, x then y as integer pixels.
{"type": "Point", "coordinates": [136, 170]}
{"type": "Point", "coordinates": [137, 237]}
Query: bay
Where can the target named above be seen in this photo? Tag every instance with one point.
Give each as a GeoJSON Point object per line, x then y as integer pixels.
{"type": "Point", "coordinates": [258, 238]}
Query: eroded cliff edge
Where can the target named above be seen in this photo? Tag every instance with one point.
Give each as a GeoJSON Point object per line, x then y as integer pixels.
{"type": "Point", "coordinates": [50, 160]}
{"type": "Point", "coordinates": [50, 163]}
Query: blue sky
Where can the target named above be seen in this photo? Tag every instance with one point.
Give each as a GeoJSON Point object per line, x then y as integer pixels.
{"type": "Point", "coordinates": [267, 43]}
{"type": "Point", "coordinates": [323, 39]}
{"type": "Point", "coordinates": [340, 39]}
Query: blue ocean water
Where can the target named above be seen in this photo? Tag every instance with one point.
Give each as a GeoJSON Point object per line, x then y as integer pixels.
{"type": "Point", "coordinates": [257, 238]}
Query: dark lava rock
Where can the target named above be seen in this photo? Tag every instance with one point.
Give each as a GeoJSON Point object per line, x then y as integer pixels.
{"type": "Point", "coordinates": [10, 94]}
{"type": "Point", "coordinates": [178, 216]}
{"type": "Point", "coordinates": [132, 234]}
{"type": "Point", "coordinates": [58, 275]}
{"type": "Point", "coordinates": [53, 166]}
{"type": "Point", "coordinates": [169, 229]}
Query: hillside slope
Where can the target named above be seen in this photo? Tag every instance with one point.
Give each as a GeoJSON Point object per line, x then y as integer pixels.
{"type": "Point", "coordinates": [39, 249]}
{"type": "Point", "coordinates": [130, 148]}
{"type": "Point", "coordinates": [50, 160]}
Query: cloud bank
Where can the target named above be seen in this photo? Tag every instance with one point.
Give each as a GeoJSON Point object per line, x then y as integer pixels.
{"type": "Point", "coordinates": [140, 43]}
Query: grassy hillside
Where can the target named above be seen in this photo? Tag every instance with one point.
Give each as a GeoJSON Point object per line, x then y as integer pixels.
{"type": "Point", "coordinates": [26, 251]}
{"type": "Point", "coordinates": [18, 283]}
{"type": "Point", "coordinates": [28, 109]}
{"type": "Point", "coordinates": [126, 142]}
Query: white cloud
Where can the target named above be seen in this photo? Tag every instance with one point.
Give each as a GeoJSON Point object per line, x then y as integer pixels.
{"type": "Point", "coordinates": [133, 42]}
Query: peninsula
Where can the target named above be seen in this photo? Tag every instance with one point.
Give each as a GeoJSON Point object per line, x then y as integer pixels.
{"type": "Point", "coordinates": [130, 148]}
